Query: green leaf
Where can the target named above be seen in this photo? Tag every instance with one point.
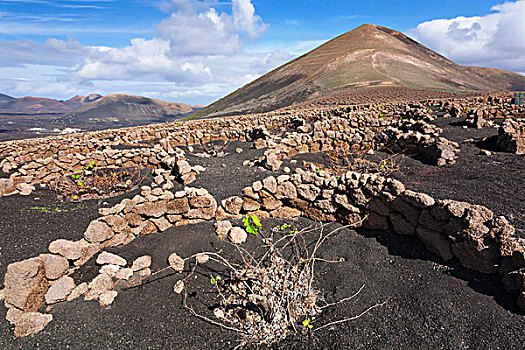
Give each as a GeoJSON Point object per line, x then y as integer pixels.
{"type": "Point", "coordinates": [246, 221]}
{"type": "Point", "coordinates": [256, 221]}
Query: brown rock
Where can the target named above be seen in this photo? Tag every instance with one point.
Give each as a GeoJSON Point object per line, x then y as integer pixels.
{"type": "Point", "coordinates": [107, 298]}
{"type": "Point", "coordinates": [117, 223]}
{"type": "Point", "coordinates": [377, 206]}
{"type": "Point", "coordinates": [60, 290]}
{"type": "Point", "coordinates": [68, 249]}
{"type": "Point", "coordinates": [285, 213]}
{"type": "Point", "coordinates": [106, 258]}
{"type": "Point", "coordinates": [435, 242]}
{"type": "Point", "coordinates": [237, 235]}
{"type": "Point", "coordinates": [31, 323]}
{"type": "Point", "coordinates": [272, 162]}
{"type": "Point", "coordinates": [223, 227]}
{"type": "Point", "coordinates": [286, 190]}
{"type": "Point", "coordinates": [420, 200]}
{"type": "Point", "coordinates": [141, 263]}
{"type": "Point", "coordinates": [205, 201]}
{"type": "Point", "coordinates": [26, 284]}
{"type": "Point", "coordinates": [178, 206]}
{"type": "Point", "coordinates": [308, 191]}
{"type": "Point", "coordinates": [97, 232]}
{"type": "Point", "coordinates": [477, 255]}
{"type": "Point", "coordinates": [149, 228]}
{"type": "Point", "coordinates": [456, 209]}
{"type": "Point", "coordinates": [79, 290]}
{"type": "Point", "coordinates": [375, 221]}
{"type": "Point", "coordinates": [133, 219]}
{"type": "Point", "coordinates": [152, 209]}
{"type": "Point", "coordinates": [342, 200]}
{"type": "Point", "coordinates": [176, 262]}
{"type": "Point", "coordinates": [428, 221]}
{"type": "Point", "coordinates": [55, 266]}
{"type": "Point", "coordinates": [162, 224]}
{"type": "Point", "coordinates": [271, 203]}
{"type": "Point", "coordinates": [233, 205]}
{"type": "Point", "coordinates": [250, 204]}
{"type": "Point", "coordinates": [270, 184]}
{"type": "Point", "coordinates": [87, 252]}
{"type": "Point", "coordinates": [100, 284]}
{"type": "Point", "coordinates": [401, 225]}
{"type": "Point", "coordinates": [410, 212]}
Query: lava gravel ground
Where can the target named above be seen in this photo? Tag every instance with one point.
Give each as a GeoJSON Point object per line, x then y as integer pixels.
{"type": "Point", "coordinates": [429, 305]}
{"type": "Point", "coordinates": [496, 181]}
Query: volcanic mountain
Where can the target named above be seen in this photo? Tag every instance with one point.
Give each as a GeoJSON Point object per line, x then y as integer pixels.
{"type": "Point", "coordinates": [127, 109]}
{"type": "Point", "coordinates": [364, 57]}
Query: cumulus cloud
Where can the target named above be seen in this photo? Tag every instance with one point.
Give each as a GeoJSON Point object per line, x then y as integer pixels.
{"type": "Point", "coordinates": [493, 40]}
{"type": "Point", "coordinates": [197, 53]}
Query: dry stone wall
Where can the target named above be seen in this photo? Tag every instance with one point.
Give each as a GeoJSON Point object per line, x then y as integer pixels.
{"type": "Point", "coordinates": [472, 234]}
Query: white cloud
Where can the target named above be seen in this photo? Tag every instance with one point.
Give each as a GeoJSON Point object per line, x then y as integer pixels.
{"type": "Point", "coordinates": [493, 40]}
{"type": "Point", "coordinates": [245, 18]}
{"type": "Point", "coordinates": [197, 53]}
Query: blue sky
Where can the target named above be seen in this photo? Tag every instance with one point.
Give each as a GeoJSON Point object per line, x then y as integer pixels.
{"type": "Point", "coordinates": [197, 51]}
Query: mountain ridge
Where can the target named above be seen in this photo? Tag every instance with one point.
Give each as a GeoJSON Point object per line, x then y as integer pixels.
{"type": "Point", "coordinates": [367, 56]}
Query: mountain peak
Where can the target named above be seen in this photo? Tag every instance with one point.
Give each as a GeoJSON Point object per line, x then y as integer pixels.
{"type": "Point", "coordinates": [366, 56]}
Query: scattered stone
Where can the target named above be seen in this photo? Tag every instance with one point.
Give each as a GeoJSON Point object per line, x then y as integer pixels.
{"type": "Point", "coordinates": [124, 274]}
{"type": "Point", "coordinates": [98, 231]}
{"type": "Point", "coordinates": [13, 314]}
{"type": "Point", "coordinates": [81, 289]}
{"type": "Point", "coordinates": [223, 227]}
{"type": "Point", "coordinates": [110, 270]}
{"type": "Point", "coordinates": [26, 284]}
{"type": "Point", "coordinates": [106, 258]}
{"type": "Point", "coordinates": [152, 209]}
{"type": "Point", "coordinates": [179, 287]}
{"type": "Point", "coordinates": [144, 272]}
{"type": "Point", "coordinates": [238, 235]}
{"type": "Point", "coordinates": [176, 262]}
{"type": "Point", "coordinates": [68, 249]}
{"type": "Point", "coordinates": [55, 266]}
{"type": "Point", "coordinates": [141, 263]}
{"type": "Point", "coordinates": [107, 298]}
{"type": "Point", "coordinates": [100, 284]}
{"type": "Point", "coordinates": [202, 258]}
{"type": "Point", "coordinates": [31, 323]}
{"type": "Point", "coordinates": [60, 290]}
{"type": "Point", "coordinates": [233, 205]}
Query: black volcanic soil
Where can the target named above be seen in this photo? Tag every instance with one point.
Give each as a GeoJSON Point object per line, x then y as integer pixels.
{"type": "Point", "coordinates": [430, 305]}
{"type": "Point", "coordinates": [496, 181]}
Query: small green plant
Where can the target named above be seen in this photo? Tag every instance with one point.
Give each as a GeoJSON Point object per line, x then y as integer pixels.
{"type": "Point", "coordinates": [214, 280]}
{"type": "Point", "coordinates": [252, 224]}
{"type": "Point", "coordinates": [307, 323]}
{"type": "Point", "coordinates": [284, 227]}
{"type": "Point", "coordinates": [386, 165]}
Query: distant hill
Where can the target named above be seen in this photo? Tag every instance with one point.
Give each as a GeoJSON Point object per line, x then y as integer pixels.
{"type": "Point", "coordinates": [33, 105]}
{"type": "Point", "coordinates": [5, 98]}
{"type": "Point", "coordinates": [364, 57]}
{"type": "Point", "coordinates": [127, 109]}
{"type": "Point", "coordinates": [80, 110]}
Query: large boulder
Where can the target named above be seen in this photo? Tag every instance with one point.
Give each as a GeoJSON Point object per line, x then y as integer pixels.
{"type": "Point", "coordinates": [26, 284]}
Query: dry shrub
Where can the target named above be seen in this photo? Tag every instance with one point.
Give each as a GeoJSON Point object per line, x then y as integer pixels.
{"type": "Point", "coordinates": [269, 294]}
